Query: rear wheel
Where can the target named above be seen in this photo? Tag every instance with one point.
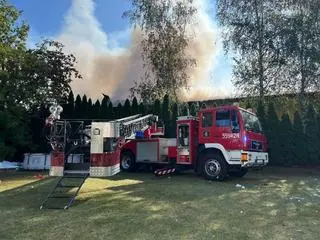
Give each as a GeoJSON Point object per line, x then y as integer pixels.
{"type": "Point", "coordinates": [239, 173]}
{"type": "Point", "coordinates": [127, 162]}
{"type": "Point", "coordinates": [213, 166]}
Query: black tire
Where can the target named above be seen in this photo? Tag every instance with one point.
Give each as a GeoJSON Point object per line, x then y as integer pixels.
{"type": "Point", "coordinates": [127, 162]}
{"type": "Point", "coordinates": [213, 166]}
{"type": "Point", "coordinates": [239, 173]}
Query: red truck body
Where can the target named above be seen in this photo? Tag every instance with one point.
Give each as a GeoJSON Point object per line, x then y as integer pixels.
{"type": "Point", "coordinates": [227, 140]}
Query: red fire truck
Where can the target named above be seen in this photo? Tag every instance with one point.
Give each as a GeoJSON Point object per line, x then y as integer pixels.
{"type": "Point", "coordinates": [221, 141]}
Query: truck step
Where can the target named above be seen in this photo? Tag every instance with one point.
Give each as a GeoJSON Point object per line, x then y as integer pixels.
{"type": "Point", "coordinates": [59, 196]}
{"type": "Point", "coordinates": [70, 198]}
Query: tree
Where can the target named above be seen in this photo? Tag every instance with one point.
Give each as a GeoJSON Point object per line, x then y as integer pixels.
{"type": "Point", "coordinates": [104, 111]}
{"type": "Point", "coordinates": [56, 70]}
{"type": "Point", "coordinates": [173, 124]}
{"type": "Point", "coordinates": [119, 112]}
{"type": "Point", "coordinates": [78, 107]}
{"type": "Point", "coordinates": [127, 108]}
{"type": "Point", "coordinates": [29, 78]}
{"type": "Point", "coordinates": [36, 125]}
{"type": "Point", "coordinates": [301, 45]}
{"type": "Point", "coordinates": [142, 109]}
{"type": "Point", "coordinates": [166, 115]}
{"type": "Point", "coordinates": [261, 113]}
{"type": "Point", "coordinates": [135, 106]}
{"type": "Point", "coordinates": [90, 109]}
{"type": "Point", "coordinates": [157, 108]}
{"type": "Point", "coordinates": [248, 104]}
{"type": "Point", "coordinates": [13, 117]}
{"type": "Point", "coordinates": [163, 23]}
{"type": "Point", "coordinates": [69, 108]}
{"type": "Point", "coordinates": [272, 134]}
{"type": "Point", "coordinates": [13, 33]}
{"type": "Point", "coordinates": [193, 110]}
{"type": "Point", "coordinates": [285, 141]}
{"type": "Point", "coordinates": [311, 135]}
{"type": "Point", "coordinates": [250, 32]}
{"type": "Point", "coordinates": [14, 134]}
{"type": "Point", "coordinates": [184, 109]}
{"type": "Point", "coordinates": [318, 134]}
{"type": "Point", "coordinates": [299, 141]}
{"type": "Point", "coordinates": [84, 107]}
{"type": "Point", "coordinates": [34, 77]}
{"type": "Point", "coordinates": [96, 110]}
{"type": "Point", "coordinates": [110, 110]}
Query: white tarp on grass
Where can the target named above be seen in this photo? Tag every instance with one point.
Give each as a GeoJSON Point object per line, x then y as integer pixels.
{"type": "Point", "coordinates": [8, 165]}
{"type": "Point", "coordinates": [36, 161]}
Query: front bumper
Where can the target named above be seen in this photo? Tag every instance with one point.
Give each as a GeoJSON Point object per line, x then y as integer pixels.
{"type": "Point", "coordinates": [255, 159]}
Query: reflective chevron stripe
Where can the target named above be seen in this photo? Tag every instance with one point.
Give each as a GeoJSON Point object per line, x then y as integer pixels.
{"type": "Point", "coordinates": [162, 172]}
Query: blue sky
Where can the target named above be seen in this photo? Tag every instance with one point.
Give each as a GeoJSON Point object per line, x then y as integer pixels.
{"type": "Point", "coordinates": [47, 17]}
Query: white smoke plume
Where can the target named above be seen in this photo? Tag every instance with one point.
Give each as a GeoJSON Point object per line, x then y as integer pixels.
{"type": "Point", "coordinates": [114, 71]}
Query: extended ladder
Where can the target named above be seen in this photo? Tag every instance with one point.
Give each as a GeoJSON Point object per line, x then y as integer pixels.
{"type": "Point", "coordinates": [65, 191]}
{"type": "Point", "coordinates": [129, 128]}
{"type": "Point", "coordinates": [69, 131]}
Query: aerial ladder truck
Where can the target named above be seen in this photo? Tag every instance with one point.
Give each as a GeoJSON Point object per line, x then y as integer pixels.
{"type": "Point", "coordinates": [218, 142]}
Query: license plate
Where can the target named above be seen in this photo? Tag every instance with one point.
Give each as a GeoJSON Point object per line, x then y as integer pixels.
{"type": "Point", "coordinates": [260, 161]}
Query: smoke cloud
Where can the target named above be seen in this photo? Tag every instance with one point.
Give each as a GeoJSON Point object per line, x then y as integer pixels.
{"type": "Point", "coordinates": [113, 71]}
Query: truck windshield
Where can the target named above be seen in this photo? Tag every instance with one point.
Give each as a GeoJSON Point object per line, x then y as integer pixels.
{"type": "Point", "coordinates": [251, 122]}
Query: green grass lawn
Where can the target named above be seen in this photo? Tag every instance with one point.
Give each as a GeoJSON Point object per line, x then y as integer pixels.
{"type": "Point", "coordinates": [275, 204]}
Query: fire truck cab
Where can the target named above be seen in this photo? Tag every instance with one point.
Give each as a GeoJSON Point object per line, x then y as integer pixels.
{"type": "Point", "coordinates": [221, 141]}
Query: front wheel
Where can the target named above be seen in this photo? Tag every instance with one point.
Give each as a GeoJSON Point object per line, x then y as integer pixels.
{"type": "Point", "coordinates": [128, 162]}
{"type": "Point", "coordinates": [213, 166]}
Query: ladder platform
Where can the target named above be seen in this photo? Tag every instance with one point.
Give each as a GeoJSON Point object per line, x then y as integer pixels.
{"type": "Point", "coordinates": [75, 173]}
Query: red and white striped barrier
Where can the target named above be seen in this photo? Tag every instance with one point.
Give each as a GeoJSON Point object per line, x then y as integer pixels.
{"type": "Point", "coordinates": [162, 172]}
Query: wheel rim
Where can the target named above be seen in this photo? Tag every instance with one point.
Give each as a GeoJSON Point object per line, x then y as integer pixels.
{"type": "Point", "coordinates": [212, 167]}
{"type": "Point", "coordinates": [125, 163]}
